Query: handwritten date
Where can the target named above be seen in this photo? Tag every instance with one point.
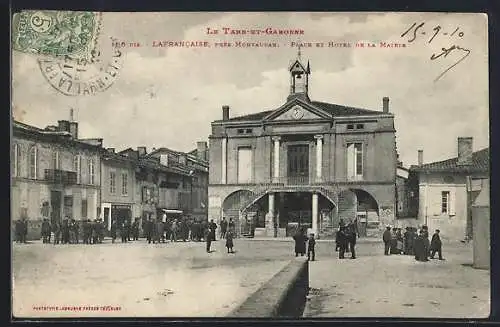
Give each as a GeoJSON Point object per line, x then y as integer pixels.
{"type": "Point", "coordinates": [414, 31]}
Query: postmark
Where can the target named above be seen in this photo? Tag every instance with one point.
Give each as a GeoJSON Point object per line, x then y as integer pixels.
{"type": "Point", "coordinates": [56, 33]}
{"type": "Point", "coordinates": [82, 77]}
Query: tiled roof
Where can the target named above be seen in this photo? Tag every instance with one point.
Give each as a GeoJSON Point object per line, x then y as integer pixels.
{"type": "Point", "coordinates": [480, 164]}
{"type": "Point", "coordinates": [335, 110]}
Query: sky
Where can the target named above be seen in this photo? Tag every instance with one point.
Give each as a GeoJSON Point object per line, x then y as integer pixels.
{"type": "Point", "coordinates": [168, 96]}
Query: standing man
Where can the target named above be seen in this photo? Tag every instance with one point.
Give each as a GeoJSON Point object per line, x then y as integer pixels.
{"type": "Point", "coordinates": [343, 241]}
{"type": "Point", "coordinates": [135, 229]}
{"type": "Point", "coordinates": [386, 237]}
{"type": "Point", "coordinates": [113, 230]}
{"type": "Point", "coordinates": [310, 247]}
{"type": "Point", "coordinates": [148, 230]}
{"type": "Point", "coordinates": [231, 225]}
{"type": "Point", "coordinates": [56, 228]}
{"type": "Point", "coordinates": [208, 239]}
{"type": "Point", "coordinates": [223, 227]}
{"type": "Point", "coordinates": [174, 229]}
{"type": "Point", "coordinates": [351, 239]}
{"type": "Point", "coordinates": [436, 245]}
{"type": "Point", "coordinates": [123, 232]}
{"type": "Point", "coordinates": [65, 231]}
{"type": "Point", "coordinates": [45, 231]}
{"type": "Point", "coordinates": [213, 227]}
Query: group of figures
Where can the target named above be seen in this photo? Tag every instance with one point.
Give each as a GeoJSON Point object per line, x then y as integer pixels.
{"type": "Point", "coordinates": [302, 242]}
{"type": "Point", "coordinates": [68, 232]}
{"type": "Point", "coordinates": [21, 230]}
{"type": "Point", "coordinates": [412, 242]}
{"type": "Point", "coordinates": [128, 231]}
{"type": "Point", "coordinates": [345, 239]}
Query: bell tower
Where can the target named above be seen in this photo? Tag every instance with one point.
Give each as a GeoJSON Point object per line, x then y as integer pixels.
{"type": "Point", "coordinates": [299, 78]}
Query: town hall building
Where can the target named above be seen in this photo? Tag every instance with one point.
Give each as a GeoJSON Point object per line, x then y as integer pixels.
{"type": "Point", "coordinates": [303, 164]}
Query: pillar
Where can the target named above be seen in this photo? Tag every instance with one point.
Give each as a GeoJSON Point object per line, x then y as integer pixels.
{"type": "Point", "coordinates": [276, 168]}
{"type": "Point", "coordinates": [314, 228]}
{"type": "Point", "coordinates": [224, 161]}
{"type": "Point", "coordinates": [270, 216]}
{"type": "Point", "coordinates": [319, 157]}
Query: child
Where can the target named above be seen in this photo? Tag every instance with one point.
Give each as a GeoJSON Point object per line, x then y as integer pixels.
{"type": "Point", "coordinates": [310, 247]}
{"type": "Point", "coordinates": [229, 241]}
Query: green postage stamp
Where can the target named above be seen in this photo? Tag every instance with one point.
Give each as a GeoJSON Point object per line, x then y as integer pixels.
{"type": "Point", "coordinates": [56, 33]}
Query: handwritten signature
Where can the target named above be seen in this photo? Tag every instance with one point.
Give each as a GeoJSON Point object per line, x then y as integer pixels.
{"type": "Point", "coordinates": [444, 51]}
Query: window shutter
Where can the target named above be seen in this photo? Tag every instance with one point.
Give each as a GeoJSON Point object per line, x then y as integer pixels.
{"type": "Point", "coordinates": [452, 202]}
{"type": "Point", "coordinates": [351, 169]}
{"type": "Point", "coordinates": [436, 204]}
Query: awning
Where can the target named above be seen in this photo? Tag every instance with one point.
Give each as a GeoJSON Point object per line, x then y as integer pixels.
{"type": "Point", "coordinates": [172, 211]}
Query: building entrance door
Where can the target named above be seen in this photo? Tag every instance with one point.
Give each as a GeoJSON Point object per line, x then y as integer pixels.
{"type": "Point", "coordinates": [298, 164]}
{"type": "Point", "coordinates": [55, 203]}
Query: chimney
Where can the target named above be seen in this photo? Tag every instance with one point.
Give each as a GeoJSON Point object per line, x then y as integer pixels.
{"type": "Point", "coordinates": [385, 104]}
{"type": "Point", "coordinates": [465, 150]}
{"type": "Point", "coordinates": [225, 112]}
{"type": "Point", "coordinates": [141, 150]}
{"type": "Point", "coordinates": [73, 129]}
{"type": "Point", "coordinates": [63, 125]}
{"type": "Point", "coordinates": [201, 150]}
{"type": "Point", "coordinates": [112, 150]}
{"type": "Point", "coordinates": [420, 157]}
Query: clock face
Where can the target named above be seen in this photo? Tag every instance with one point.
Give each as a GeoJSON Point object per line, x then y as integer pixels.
{"type": "Point", "coordinates": [297, 113]}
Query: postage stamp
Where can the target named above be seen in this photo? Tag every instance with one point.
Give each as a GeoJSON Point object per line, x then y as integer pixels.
{"type": "Point", "coordinates": [56, 33]}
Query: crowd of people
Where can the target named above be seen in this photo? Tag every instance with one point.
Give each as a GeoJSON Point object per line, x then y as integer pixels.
{"type": "Point", "coordinates": [412, 242]}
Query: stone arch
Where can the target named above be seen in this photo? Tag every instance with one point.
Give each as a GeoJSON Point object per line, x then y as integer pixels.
{"type": "Point", "coordinates": [357, 203]}
{"type": "Point", "coordinates": [232, 205]}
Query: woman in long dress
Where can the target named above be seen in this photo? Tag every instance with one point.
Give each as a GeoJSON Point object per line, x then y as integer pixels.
{"type": "Point", "coordinates": [229, 241]}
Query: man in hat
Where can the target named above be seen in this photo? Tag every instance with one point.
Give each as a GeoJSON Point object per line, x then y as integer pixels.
{"type": "Point", "coordinates": [436, 245]}
{"type": "Point", "coordinates": [386, 237]}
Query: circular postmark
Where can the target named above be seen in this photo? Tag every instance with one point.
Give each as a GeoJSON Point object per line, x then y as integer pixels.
{"type": "Point", "coordinates": [82, 77]}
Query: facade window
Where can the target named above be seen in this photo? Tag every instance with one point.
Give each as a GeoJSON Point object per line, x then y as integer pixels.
{"type": "Point", "coordinates": [112, 182]}
{"type": "Point", "coordinates": [360, 126]}
{"type": "Point", "coordinates": [445, 202]}
{"type": "Point", "coordinates": [17, 160]}
{"type": "Point", "coordinates": [56, 160]}
{"type": "Point", "coordinates": [355, 161]}
{"type": "Point", "coordinates": [241, 131]}
{"type": "Point", "coordinates": [84, 208]}
{"type": "Point", "coordinates": [244, 165]}
{"type": "Point", "coordinates": [91, 171]}
{"type": "Point", "coordinates": [248, 131]}
{"type": "Point", "coordinates": [350, 126]}
{"type": "Point", "coordinates": [33, 162]}
{"type": "Point", "coordinates": [124, 184]}
{"type": "Point", "coordinates": [77, 167]}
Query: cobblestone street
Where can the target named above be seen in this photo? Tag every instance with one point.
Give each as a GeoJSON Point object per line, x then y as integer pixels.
{"type": "Point", "coordinates": [181, 279]}
{"type": "Point", "coordinates": [375, 285]}
{"type": "Point", "coordinates": [178, 279]}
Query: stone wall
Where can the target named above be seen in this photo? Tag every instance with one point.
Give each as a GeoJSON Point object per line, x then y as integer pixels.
{"type": "Point", "coordinates": [284, 295]}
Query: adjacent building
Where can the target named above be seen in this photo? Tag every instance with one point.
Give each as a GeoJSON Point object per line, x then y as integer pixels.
{"type": "Point", "coordinates": [118, 187]}
{"type": "Point", "coordinates": [186, 186]}
{"type": "Point", "coordinates": [305, 163]}
{"type": "Point", "coordinates": [442, 192]}
{"type": "Point", "coordinates": [54, 174]}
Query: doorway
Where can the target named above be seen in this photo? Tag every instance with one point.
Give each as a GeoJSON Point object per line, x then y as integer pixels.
{"type": "Point", "coordinates": [55, 203]}
{"type": "Point", "coordinates": [298, 164]}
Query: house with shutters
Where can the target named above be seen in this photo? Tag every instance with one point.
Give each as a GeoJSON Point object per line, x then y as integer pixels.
{"type": "Point", "coordinates": [442, 192]}
{"type": "Point", "coordinates": [54, 175]}
{"type": "Point", "coordinates": [303, 164]}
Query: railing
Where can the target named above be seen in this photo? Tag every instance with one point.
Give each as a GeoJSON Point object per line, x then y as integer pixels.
{"type": "Point", "coordinates": [331, 192]}
{"type": "Point", "coordinates": [58, 176]}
